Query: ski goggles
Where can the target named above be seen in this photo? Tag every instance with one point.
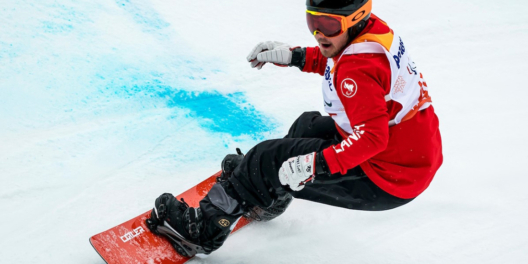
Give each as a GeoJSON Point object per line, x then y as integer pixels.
{"type": "Point", "coordinates": [331, 25]}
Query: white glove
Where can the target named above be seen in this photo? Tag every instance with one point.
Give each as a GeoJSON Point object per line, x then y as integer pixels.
{"type": "Point", "coordinates": [270, 51]}
{"type": "Point", "coordinates": [297, 171]}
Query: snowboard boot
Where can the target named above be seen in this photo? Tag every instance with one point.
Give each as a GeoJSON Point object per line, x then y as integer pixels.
{"type": "Point", "coordinates": [195, 230]}
{"type": "Point", "coordinates": [220, 214]}
{"type": "Point", "coordinates": [178, 222]}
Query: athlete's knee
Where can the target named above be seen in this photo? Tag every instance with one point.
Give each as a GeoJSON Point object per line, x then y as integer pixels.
{"type": "Point", "coordinates": [301, 127]}
{"type": "Point", "coordinates": [266, 149]}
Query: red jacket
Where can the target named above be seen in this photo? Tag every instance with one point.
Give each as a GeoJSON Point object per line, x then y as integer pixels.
{"type": "Point", "coordinates": [402, 159]}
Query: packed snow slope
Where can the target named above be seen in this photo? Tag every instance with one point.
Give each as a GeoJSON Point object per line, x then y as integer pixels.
{"type": "Point", "coordinates": [104, 105]}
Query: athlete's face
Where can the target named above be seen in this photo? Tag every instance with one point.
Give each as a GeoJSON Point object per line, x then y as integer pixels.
{"type": "Point", "coordinates": [330, 47]}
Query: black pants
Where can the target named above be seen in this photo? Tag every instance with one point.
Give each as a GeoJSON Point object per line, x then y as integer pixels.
{"type": "Point", "coordinates": [256, 180]}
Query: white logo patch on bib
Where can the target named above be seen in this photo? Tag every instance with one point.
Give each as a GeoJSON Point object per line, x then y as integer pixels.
{"type": "Point", "coordinates": [349, 88]}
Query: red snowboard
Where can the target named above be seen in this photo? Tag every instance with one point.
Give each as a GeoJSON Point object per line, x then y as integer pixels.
{"type": "Point", "coordinates": [132, 241]}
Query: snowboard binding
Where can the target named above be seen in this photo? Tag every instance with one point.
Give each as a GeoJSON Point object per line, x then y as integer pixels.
{"type": "Point", "coordinates": [178, 242]}
{"type": "Point", "coordinates": [179, 223]}
{"type": "Point", "coordinates": [229, 164]}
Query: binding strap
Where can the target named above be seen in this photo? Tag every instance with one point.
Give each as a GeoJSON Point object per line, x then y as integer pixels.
{"type": "Point", "coordinates": [194, 217]}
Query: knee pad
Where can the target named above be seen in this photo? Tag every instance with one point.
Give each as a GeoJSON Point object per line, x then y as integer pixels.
{"type": "Point", "coordinates": [259, 213]}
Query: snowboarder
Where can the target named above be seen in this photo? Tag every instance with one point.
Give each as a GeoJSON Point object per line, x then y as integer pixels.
{"type": "Point", "coordinates": [378, 149]}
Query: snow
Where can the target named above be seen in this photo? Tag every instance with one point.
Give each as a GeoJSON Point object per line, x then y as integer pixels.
{"type": "Point", "coordinates": [107, 104]}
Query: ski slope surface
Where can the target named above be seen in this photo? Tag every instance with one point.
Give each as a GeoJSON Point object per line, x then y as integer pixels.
{"type": "Point", "coordinates": [106, 104]}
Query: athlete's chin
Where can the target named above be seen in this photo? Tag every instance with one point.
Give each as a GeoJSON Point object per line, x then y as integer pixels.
{"type": "Point", "coordinates": [329, 52]}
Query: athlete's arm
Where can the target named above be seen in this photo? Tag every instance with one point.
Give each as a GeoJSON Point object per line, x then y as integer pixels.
{"type": "Point", "coordinates": [278, 53]}
{"type": "Point", "coordinates": [314, 61]}
{"type": "Point", "coordinates": [365, 107]}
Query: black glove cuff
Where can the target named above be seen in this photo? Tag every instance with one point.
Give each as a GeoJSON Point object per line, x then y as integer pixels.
{"type": "Point", "coordinates": [321, 168]}
{"type": "Point", "coordinates": [298, 58]}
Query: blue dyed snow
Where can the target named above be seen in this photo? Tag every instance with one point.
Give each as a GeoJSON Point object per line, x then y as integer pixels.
{"type": "Point", "coordinates": [228, 113]}
{"type": "Point", "coordinates": [82, 73]}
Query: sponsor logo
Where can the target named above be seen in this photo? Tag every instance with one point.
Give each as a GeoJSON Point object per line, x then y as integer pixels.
{"type": "Point", "coordinates": [401, 51]}
{"type": "Point", "coordinates": [399, 85]}
{"type": "Point", "coordinates": [328, 104]}
{"type": "Point", "coordinates": [348, 142]}
{"type": "Point", "coordinates": [412, 68]}
{"type": "Point", "coordinates": [291, 167]}
{"type": "Point", "coordinates": [328, 77]}
{"type": "Point", "coordinates": [349, 88]}
{"type": "Point", "coordinates": [130, 235]}
{"type": "Point", "coordinates": [358, 16]}
{"type": "Point", "coordinates": [298, 164]}
{"type": "Point", "coordinates": [224, 222]}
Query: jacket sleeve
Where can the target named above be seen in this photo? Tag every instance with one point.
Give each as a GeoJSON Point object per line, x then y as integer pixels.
{"type": "Point", "coordinates": [365, 108]}
{"type": "Point", "coordinates": [315, 61]}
